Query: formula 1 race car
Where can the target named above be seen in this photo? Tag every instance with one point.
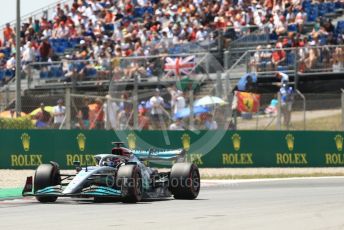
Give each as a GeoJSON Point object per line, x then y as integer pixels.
{"type": "Point", "coordinates": [121, 174]}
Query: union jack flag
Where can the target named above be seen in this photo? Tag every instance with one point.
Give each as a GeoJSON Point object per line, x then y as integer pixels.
{"type": "Point", "coordinates": [179, 66]}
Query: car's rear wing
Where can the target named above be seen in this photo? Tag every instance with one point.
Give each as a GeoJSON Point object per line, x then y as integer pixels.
{"type": "Point", "coordinates": [160, 155]}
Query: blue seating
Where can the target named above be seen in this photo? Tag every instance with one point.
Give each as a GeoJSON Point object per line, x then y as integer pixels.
{"type": "Point", "coordinates": [55, 72]}
{"type": "Point", "coordinates": [292, 28]}
{"type": "Point", "coordinates": [322, 9]}
{"type": "Point", "coordinates": [340, 27]}
{"type": "Point", "coordinates": [331, 7]}
{"type": "Point", "coordinates": [109, 27]}
{"type": "Point", "coordinates": [339, 5]}
{"type": "Point", "coordinates": [323, 40]}
{"type": "Point", "coordinates": [306, 4]}
{"type": "Point", "coordinates": [282, 68]}
{"type": "Point", "coordinates": [290, 59]}
{"type": "Point", "coordinates": [43, 74]}
{"type": "Point", "coordinates": [9, 73]}
{"type": "Point", "coordinates": [313, 13]}
{"type": "Point", "coordinates": [90, 72]}
{"type": "Point", "coordinates": [140, 12]}
{"type": "Point", "coordinates": [2, 74]}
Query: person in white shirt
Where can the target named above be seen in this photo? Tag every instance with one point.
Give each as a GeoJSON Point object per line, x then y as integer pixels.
{"type": "Point", "coordinates": [59, 112]}
{"type": "Point", "coordinates": [157, 112]}
{"type": "Point", "coordinates": [110, 113]}
{"type": "Point", "coordinates": [201, 34]}
{"type": "Point", "coordinates": [179, 103]}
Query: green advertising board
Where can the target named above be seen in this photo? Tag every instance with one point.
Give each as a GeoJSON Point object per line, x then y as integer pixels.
{"type": "Point", "coordinates": [25, 149]}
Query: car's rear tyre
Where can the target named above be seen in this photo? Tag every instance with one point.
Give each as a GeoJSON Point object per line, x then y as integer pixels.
{"type": "Point", "coordinates": [185, 181]}
{"type": "Point", "coordinates": [46, 175]}
{"type": "Point", "coordinates": [130, 181]}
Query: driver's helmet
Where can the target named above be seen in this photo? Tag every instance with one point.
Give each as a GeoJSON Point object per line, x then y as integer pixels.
{"type": "Point", "coordinates": [113, 162]}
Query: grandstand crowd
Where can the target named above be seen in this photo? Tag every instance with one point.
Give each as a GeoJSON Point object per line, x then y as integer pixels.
{"type": "Point", "coordinates": [101, 32]}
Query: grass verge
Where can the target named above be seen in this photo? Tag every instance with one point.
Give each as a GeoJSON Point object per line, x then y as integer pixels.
{"type": "Point", "coordinates": [332, 122]}
{"type": "Point", "coordinates": [7, 193]}
{"type": "Point", "coordinates": [269, 176]}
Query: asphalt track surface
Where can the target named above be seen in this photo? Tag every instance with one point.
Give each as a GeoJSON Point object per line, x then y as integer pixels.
{"type": "Point", "coordinates": [278, 204]}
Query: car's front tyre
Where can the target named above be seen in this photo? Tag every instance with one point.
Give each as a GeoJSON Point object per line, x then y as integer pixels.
{"type": "Point", "coordinates": [46, 175]}
{"type": "Point", "coordinates": [129, 179]}
{"type": "Point", "coordinates": [185, 181]}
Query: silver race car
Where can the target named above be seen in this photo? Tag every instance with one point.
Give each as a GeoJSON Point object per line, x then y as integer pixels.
{"type": "Point", "coordinates": [120, 174]}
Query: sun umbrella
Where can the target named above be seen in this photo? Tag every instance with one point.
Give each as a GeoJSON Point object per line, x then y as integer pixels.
{"type": "Point", "coordinates": [7, 114]}
{"type": "Point", "coordinates": [243, 80]}
{"type": "Point", "coordinates": [49, 109]}
{"type": "Point", "coordinates": [209, 100]}
{"type": "Point", "coordinates": [186, 111]}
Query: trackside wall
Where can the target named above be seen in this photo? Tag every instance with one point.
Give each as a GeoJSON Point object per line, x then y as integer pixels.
{"type": "Point", "coordinates": [25, 149]}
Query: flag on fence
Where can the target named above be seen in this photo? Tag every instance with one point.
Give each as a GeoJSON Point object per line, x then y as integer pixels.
{"type": "Point", "coordinates": [179, 65]}
{"type": "Point", "coordinates": [248, 102]}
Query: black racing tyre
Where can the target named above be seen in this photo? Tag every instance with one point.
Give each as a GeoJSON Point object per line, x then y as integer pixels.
{"type": "Point", "coordinates": [46, 175]}
{"type": "Point", "coordinates": [129, 179]}
{"type": "Point", "coordinates": [185, 181]}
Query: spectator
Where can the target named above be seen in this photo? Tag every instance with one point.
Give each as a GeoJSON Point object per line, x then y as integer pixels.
{"type": "Point", "coordinates": [157, 111]}
{"type": "Point", "coordinates": [143, 120]}
{"type": "Point", "coordinates": [312, 56]}
{"type": "Point", "coordinates": [45, 50]}
{"type": "Point", "coordinates": [84, 114]}
{"type": "Point", "coordinates": [110, 113]}
{"type": "Point", "coordinates": [59, 112]}
{"type": "Point", "coordinates": [210, 123]}
{"type": "Point", "coordinates": [125, 117]}
{"type": "Point", "coordinates": [43, 117]}
{"type": "Point", "coordinates": [28, 57]}
{"type": "Point", "coordinates": [8, 34]}
{"type": "Point", "coordinates": [177, 125]}
{"type": "Point", "coordinates": [10, 68]}
{"type": "Point", "coordinates": [271, 110]}
{"type": "Point", "coordinates": [278, 56]}
{"type": "Point", "coordinates": [179, 103]}
{"type": "Point", "coordinates": [287, 97]}
{"type": "Point", "coordinates": [98, 120]}
{"type": "Point", "coordinates": [173, 94]}
{"type": "Point", "coordinates": [283, 77]}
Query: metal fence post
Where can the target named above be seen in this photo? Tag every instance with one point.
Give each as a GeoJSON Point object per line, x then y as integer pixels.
{"type": "Point", "coordinates": [296, 67]}
{"type": "Point", "coordinates": [304, 108]}
{"type": "Point", "coordinates": [218, 84]}
{"type": "Point", "coordinates": [68, 108]}
{"type": "Point", "coordinates": [342, 100]}
{"type": "Point", "coordinates": [220, 42]}
{"type": "Point", "coordinates": [278, 124]}
{"type": "Point", "coordinates": [107, 110]}
{"type": "Point", "coordinates": [191, 95]}
{"type": "Point", "coordinates": [207, 67]}
{"type": "Point", "coordinates": [29, 76]}
{"type": "Point", "coordinates": [135, 103]}
{"type": "Point", "coordinates": [226, 60]}
{"type": "Point", "coordinates": [7, 96]}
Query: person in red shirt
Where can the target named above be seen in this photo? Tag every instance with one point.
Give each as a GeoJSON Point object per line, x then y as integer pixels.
{"type": "Point", "coordinates": [143, 120]}
{"type": "Point", "coordinates": [8, 33]}
{"type": "Point", "coordinates": [45, 50]}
